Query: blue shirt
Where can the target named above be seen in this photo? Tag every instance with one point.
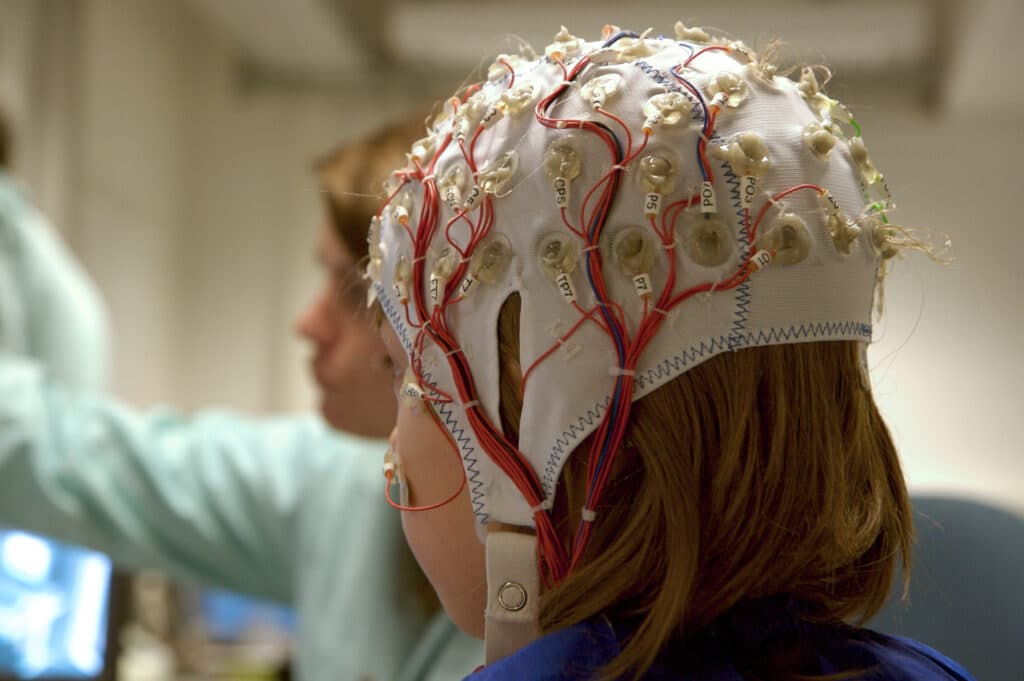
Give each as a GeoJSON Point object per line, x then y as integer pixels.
{"type": "Point", "coordinates": [735, 644]}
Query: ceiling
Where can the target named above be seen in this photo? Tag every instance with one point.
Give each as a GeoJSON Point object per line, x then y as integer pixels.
{"type": "Point", "coordinates": [423, 46]}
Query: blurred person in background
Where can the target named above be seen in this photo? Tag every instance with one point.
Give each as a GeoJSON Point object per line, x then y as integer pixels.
{"type": "Point", "coordinates": [284, 509]}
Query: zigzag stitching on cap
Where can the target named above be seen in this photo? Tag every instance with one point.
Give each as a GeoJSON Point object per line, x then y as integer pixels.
{"type": "Point", "coordinates": [670, 85]}
{"type": "Point", "coordinates": [743, 299]}
{"type": "Point", "coordinates": [674, 365]}
{"type": "Point", "coordinates": [472, 472]}
{"type": "Point", "coordinates": [445, 411]}
{"type": "Point", "coordinates": [583, 425]}
{"type": "Point", "coordinates": [809, 330]}
{"type": "Point", "coordinates": [389, 310]}
{"type": "Point", "coordinates": [734, 183]}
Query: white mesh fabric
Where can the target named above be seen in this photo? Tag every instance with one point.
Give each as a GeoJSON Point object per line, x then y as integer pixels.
{"type": "Point", "coordinates": [827, 296]}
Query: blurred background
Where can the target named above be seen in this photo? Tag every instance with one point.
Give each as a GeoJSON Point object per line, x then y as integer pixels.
{"type": "Point", "coordinates": [171, 140]}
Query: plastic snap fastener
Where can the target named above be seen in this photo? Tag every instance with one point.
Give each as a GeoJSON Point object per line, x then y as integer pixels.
{"type": "Point", "coordinates": [512, 596]}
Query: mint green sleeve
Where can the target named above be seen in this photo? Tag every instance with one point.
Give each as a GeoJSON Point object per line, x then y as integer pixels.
{"type": "Point", "coordinates": [13, 306]}
{"type": "Point", "coordinates": [215, 498]}
{"type": "Point", "coordinates": [49, 307]}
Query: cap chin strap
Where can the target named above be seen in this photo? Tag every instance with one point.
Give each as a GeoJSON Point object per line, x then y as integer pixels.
{"type": "Point", "coordinates": [513, 594]}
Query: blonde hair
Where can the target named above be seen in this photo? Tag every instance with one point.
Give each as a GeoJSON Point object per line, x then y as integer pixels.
{"type": "Point", "coordinates": [765, 471]}
{"type": "Point", "coordinates": [351, 177]}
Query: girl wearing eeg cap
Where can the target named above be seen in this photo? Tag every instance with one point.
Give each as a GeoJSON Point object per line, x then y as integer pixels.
{"type": "Point", "coordinates": [628, 288]}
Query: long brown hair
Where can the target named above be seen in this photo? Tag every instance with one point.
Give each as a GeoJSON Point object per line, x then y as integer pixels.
{"type": "Point", "coordinates": [765, 471]}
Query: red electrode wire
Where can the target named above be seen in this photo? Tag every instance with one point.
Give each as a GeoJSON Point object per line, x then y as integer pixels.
{"type": "Point", "coordinates": [493, 441]}
{"type": "Point", "coordinates": [710, 48]}
{"type": "Point", "coordinates": [389, 476]}
{"type": "Point", "coordinates": [559, 343]}
{"type": "Point", "coordinates": [511, 72]}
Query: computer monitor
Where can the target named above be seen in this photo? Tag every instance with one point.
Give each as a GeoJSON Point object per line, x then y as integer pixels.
{"type": "Point", "coordinates": [54, 609]}
{"type": "Point", "coordinates": [231, 617]}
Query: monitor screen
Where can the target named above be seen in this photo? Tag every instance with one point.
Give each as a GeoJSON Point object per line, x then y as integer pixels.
{"type": "Point", "coordinates": [53, 608]}
{"type": "Point", "coordinates": [231, 617]}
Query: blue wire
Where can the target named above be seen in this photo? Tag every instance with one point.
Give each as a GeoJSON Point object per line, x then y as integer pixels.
{"type": "Point", "coordinates": [616, 403]}
{"type": "Point", "coordinates": [620, 353]}
{"type": "Point", "coordinates": [616, 399]}
{"type": "Point", "coordinates": [619, 36]}
{"type": "Point", "coordinates": [687, 46]}
{"type": "Point", "coordinates": [707, 117]}
{"type": "Point", "coordinates": [619, 344]}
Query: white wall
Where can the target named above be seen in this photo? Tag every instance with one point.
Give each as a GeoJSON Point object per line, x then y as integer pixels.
{"type": "Point", "coordinates": [195, 209]}
{"type": "Point", "coordinates": [39, 96]}
{"type": "Point", "coordinates": [130, 192]}
{"type": "Point", "coordinates": [948, 371]}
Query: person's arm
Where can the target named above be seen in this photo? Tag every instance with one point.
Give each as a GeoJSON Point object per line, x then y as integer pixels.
{"type": "Point", "coordinates": [214, 498]}
{"type": "Point", "coordinates": [13, 325]}
{"type": "Point", "coordinates": [49, 307]}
